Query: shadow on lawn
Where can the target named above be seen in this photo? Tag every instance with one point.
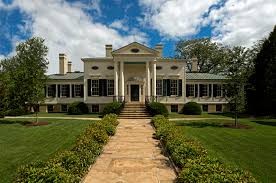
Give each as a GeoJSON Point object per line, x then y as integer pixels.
{"type": "Point", "coordinates": [268, 123]}
{"type": "Point", "coordinates": [201, 124]}
{"type": "Point", "coordinates": [7, 122]}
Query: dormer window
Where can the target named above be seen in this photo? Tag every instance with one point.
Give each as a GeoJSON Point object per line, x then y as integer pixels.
{"type": "Point", "coordinates": [134, 50]}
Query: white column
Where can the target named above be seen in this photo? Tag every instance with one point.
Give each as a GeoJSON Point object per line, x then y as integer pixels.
{"type": "Point", "coordinates": [212, 91]}
{"type": "Point", "coordinates": [154, 78]}
{"type": "Point", "coordinates": [198, 90]}
{"type": "Point", "coordinates": [70, 90]}
{"type": "Point", "coordinates": [56, 90]}
{"type": "Point", "coordinates": [116, 93]}
{"type": "Point", "coordinates": [122, 79]}
{"type": "Point", "coordinates": [85, 90]}
{"type": "Point", "coordinates": [148, 79]}
{"type": "Point", "coordinates": [184, 81]}
{"type": "Point", "coordinates": [46, 92]}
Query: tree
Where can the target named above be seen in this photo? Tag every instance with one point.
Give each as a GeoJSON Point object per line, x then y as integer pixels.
{"type": "Point", "coordinates": [211, 56]}
{"type": "Point", "coordinates": [263, 78]}
{"type": "Point", "coordinates": [24, 73]}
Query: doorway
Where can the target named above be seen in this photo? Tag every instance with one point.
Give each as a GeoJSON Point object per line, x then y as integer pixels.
{"type": "Point", "coordinates": [134, 92]}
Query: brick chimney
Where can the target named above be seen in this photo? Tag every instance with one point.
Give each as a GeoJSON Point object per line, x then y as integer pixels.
{"type": "Point", "coordinates": [63, 63]}
{"type": "Point", "coordinates": [69, 66]}
{"type": "Point", "coordinates": [194, 64]}
{"type": "Point", "coordinates": [108, 50]}
{"type": "Point", "coordinates": [159, 48]}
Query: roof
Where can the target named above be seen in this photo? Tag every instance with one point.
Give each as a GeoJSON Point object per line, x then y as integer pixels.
{"type": "Point", "coordinates": [190, 76]}
{"type": "Point", "coordinates": [67, 76]}
{"type": "Point", "coordinates": [204, 76]}
{"type": "Point", "coordinates": [135, 44]}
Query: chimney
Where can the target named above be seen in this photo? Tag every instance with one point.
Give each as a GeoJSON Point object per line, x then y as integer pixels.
{"type": "Point", "coordinates": [69, 66]}
{"type": "Point", "coordinates": [159, 48]}
{"type": "Point", "coordinates": [108, 50]}
{"type": "Point", "coordinates": [194, 64]}
{"type": "Point", "coordinates": [63, 63]}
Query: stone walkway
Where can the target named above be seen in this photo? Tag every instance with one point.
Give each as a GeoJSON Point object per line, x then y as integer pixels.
{"type": "Point", "coordinates": [132, 155]}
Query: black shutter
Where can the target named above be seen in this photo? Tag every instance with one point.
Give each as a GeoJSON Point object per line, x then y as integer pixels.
{"type": "Point", "coordinates": [187, 89]}
{"type": "Point", "coordinates": [164, 87]}
{"type": "Point", "coordinates": [200, 90]}
{"type": "Point", "coordinates": [104, 87]}
{"type": "Point", "coordinates": [89, 87]}
{"type": "Point", "coordinates": [54, 90]}
{"type": "Point", "coordinates": [45, 90]}
{"type": "Point", "coordinates": [81, 91]}
{"type": "Point", "coordinates": [58, 90]}
{"type": "Point", "coordinates": [101, 87]}
{"type": "Point", "coordinates": [68, 90]}
{"type": "Point", "coordinates": [215, 88]}
{"type": "Point", "coordinates": [180, 87]}
{"type": "Point", "coordinates": [168, 87]}
{"type": "Point", "coordinates": [73, 90]}
{"type": "Point", "coordinates": [210, 90]}
{"type": "Point", "coordinates": [196, 90]}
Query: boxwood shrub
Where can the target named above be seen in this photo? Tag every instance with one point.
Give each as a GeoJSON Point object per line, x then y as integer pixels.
{"type": "Point", "coordinates": [77, 108]}
{"type": "Point", "coordinates": [112, 108]}
{"type": "Point", "coordinates": [71, 165]}
{"type": "Point", "coordinates": [191, 108]}
{"type": "Point", "coordinates": [156, 108]}
{"type": "Point", "coordinates": [192, 159]}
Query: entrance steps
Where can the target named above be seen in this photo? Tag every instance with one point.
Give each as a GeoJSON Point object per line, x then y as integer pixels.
{"type": "Point", "coordinates": [134, 111]}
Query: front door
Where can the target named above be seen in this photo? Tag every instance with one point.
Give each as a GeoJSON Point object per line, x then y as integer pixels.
{"type": "Point", "coordinates": [134, 91]}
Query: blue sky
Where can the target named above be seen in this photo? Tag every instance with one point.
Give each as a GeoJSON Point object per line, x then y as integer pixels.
{"type": "Point", "coordinates": [82, 28]}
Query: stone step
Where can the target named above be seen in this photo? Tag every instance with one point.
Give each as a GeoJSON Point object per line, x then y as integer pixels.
{"type": "Point", "coordinates": [131, 117]}
{"type": "Point", "coordinates": [134, 115]}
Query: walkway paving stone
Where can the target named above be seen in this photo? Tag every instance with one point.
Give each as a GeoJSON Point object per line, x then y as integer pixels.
{"type": "Point", "coordinates": [132, 155]}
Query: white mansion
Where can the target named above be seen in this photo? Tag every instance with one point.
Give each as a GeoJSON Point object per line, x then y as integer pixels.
{"type": "Point", "coordinates": [133, 73]}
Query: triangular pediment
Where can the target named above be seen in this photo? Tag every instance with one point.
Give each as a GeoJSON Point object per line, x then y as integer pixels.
{"type": "Point", "coordinates": [135, 48]}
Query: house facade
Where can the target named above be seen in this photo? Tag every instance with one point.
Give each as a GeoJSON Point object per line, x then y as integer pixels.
{"type": "Point", "coordinates": [133, 73]}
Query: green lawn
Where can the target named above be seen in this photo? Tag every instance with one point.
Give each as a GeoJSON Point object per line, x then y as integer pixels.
{"type": "Point", "coordinates": [252, 149]}
{"type": "Point", "coordinates": [20, 144]}
{"type": "Point", "coordinates": [45, 114]}
{"type": "Point", "coordinates": [203, 115]}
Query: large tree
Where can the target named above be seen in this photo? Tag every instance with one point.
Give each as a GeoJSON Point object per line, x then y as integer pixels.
{"type": "Point", "coordinates": [262, 91]}
{"type": "Point", "coordinates": [211, 55]}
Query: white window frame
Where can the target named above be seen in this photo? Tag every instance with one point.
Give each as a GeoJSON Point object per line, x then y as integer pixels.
{"type": "Point", "coordinates": [191, 90]}
{"type": "Point", "coordinates": [219, 90]}
{"type": "Point", "coordinates": [63, 90]}
{"type": "Point", "coordinates": [95, 87]}
{"type": "Point", "coordinates": [77, 90]}
{"type": "Point", "coordinates": [174, 87]}
{"type": "Point", "coordinates": [94, 105]}
{"type": "Point", "coordinates": [50, 90]}
{"type": "Point", "coordinates": [159, 87]}
{"type": "Point", "coordinates": [205, 86]}
{"type": "Point", "coordinates": [110, 87]}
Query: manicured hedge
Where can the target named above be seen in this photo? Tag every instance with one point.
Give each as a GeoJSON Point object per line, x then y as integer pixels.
{"type": "Point", "coordinates": [77, 108]}
{"type": "Point", "coordinates": [113, 108]}
{"type": "Point", "coordinates": [71, 165]}
{"type": "Point", "coordinates": [191, 108]}
{"type": "Point", "coordinates": [156, 108]}
{"type": "Point", "coordinates": [192, 159]}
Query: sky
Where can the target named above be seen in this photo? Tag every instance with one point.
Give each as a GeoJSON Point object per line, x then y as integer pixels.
{"type": "Point", "coordinates": [82, 28]}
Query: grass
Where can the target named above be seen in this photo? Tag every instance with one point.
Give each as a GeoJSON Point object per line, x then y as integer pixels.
{"type": "Point", "coordinates": [203, 115]}
{"type": "Point", "coordinates": [45, 114]}
{"type": "Point", "coordinates": [21, 145]}
{"type": "Point", "coordinates": [251, 149]}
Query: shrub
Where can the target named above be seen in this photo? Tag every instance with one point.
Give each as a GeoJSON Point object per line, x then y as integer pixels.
{"type": "Point", "coordinates": [156, 108]}
{"type": "Point", "coordinates": [16, 112]}
{"type": "Point", "coordinates": [191, 108]}
{"type": "Point", "coordinates": [77, 108]}
{"type": "Point", "coordinates": [112, 108]}
{"type": "Point", "coordinates": [70, 165]}
{"type": "Point", "coordinates": [190, 156]}
{"type": "Point", "coordinates": [2, 114]}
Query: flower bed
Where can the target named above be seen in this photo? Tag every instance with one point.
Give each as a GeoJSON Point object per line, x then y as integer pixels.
{"type": "Point", "coordinates": [192, 159]}
{"type": "Point", "coordinates": [71, 165]}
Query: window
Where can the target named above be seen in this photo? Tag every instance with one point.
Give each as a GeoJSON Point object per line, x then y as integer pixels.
{"type": "Point", "coordinates": [51, 90]}
{"type": "Point", "coordinates": [77, 90]}
{"type": "Point", "coordinates": [174, 108]}
{"type": "Point", "coordinates": [95, 108]}
{"type": "Point", "coordinates": [173, 87]}
{"type": "Point", "coordinates": [159, 87]}
{"type": "Point", "coordinates": [64, 108]}
{"type": "Point", "coordinates": [64, 90]}
{"type": "Point", "coordinates": [50, 108]}
{"type": "Point", "coordinates": [205, 108]}
{"type": "Point", "coordinates": [204, 90]}
{"type": "Point", "coordinates": [219, 108]}
{"type": "Point", "coordinates": [110, 87]}
{"type": "Point", "coordinates": [219, 89]}
{"type": "Point", "coordinates": [95, 87]}
{"type": "Point", "coordinates": [190, 90]}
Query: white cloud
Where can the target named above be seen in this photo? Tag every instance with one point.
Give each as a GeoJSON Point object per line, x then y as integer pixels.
{"type": "Point", "coordinates": [243, 22]}
{"type": "Point", "coordinates": [95, 4]}
{"type": "Point", "coordinates": [67, 29]}
{"type": "Point", "coordinates": [119, 24]}
{"type": "Point", "coordinates": [176, 18]}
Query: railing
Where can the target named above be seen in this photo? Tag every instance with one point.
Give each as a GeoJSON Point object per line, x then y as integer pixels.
{"type": "Point", "coordinates": [120, 99]}
{"type": "Point", "coordinates": [149, 99]}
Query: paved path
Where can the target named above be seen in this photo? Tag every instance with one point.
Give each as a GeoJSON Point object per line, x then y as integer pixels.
{"type": "Point", "coordinates": [132, 155]}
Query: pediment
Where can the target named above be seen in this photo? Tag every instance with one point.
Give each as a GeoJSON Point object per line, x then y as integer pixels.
{"type": "Point", "coordinates": [135, 49]}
